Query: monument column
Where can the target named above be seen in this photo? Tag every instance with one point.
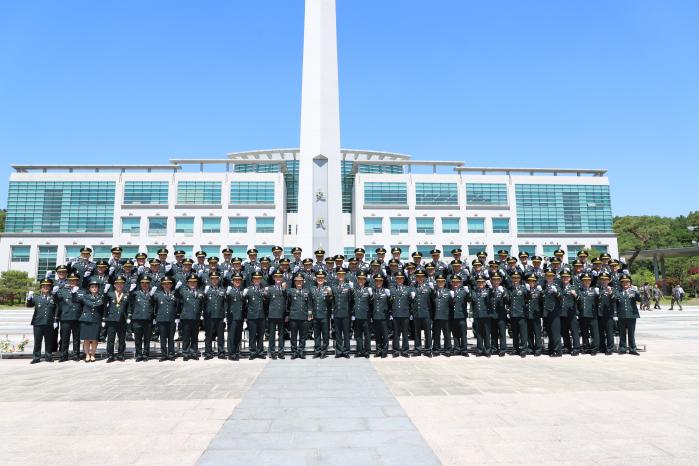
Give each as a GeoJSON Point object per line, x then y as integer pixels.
{"type": "Point", "coordinates": [320, 182]}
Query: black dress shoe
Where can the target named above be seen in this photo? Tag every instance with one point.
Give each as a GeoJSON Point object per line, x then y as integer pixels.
{"type": "Point", "coordinates": [537, 353]}
{"type": "Point", "coordinates": [465, 354]}
{"type": "Point", "coordinates": [377, 355]}
{"type": "Point", "coordinates": [262, 356]}
{"type": "Point", "coordinates": [501, 354]}
{"type": "Point", "coordinates": [163, 358]}
{"type": "Point", "coordinates": [231, 358]}
{"type": "Point", "coordinates": [523, 354]}
{"type": "Point", "coordinates": [120, 358]}
{"type": "Point", "coordinates": [173, 357]}
{"type": "Point", "coordinates": [208, 356]}
{"type": "Point", "coordinates": [396, 355]}
{"type": "Point", "coordinates": [302, 356]}
{"type": "Point", "coordinates": [62, 359]}
{"type": "Point", "coordinates": [316, 355]}
{"type": "Point", "coordinates": [428, 354]}
{"type": "Point", "coordinates": [448, 355]}
{"type": "Point", "coordinates": [294, 356]}
{"type": "Point", "coordinates": [111, 359]}
{"type": "Point", "coordinates": [35, 361]}
{"type": "Point", "coordinates": [76, 358]}
{"type": "Point", "coordinates": [366, 355]}
{"type": "Point", "coordinates": [608, 353]}
{"type": "Point", "coordinates": [323, 355]}
{"type": "Point", "coordinates": [274, 356]}
{"type": "Point", "coordinates": [252, 356]}
{"type": "Point", "coordinates": [574, 353]}
{"type": "Point", "coordinates": [346, 356]}
{"type": "Point", "coordinates": [634, 352]}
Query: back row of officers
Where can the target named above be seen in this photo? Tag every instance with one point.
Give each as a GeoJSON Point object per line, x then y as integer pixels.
{"type": "Point", "coordinates": [577, 305]}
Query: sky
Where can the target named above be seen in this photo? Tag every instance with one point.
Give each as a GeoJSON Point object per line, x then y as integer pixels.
{"type": "Point", "coordinates": [535, 83]}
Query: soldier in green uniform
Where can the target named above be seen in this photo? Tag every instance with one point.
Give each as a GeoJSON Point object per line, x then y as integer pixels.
{"type": "Point", "coordinates": [533, 313]}
{"type": "Point", "coordinates": [361, 312]}
{"type": "Point", "coordinates": [605, 313]}
{"type": "Point", "coordinates": [442, 307]}
{"type": "Point", "coordinates": [117, 305]}
{"type": "Point", "coordinates": [191, 299]}
{"type": "Point", "coordinates": [82, 266]}
{"type": "Point", "coordinates": [68, 314]}
{"type": "Point", "coordinates": [255, 304]}
{"type": "Point", "coordinates": [401, 303]}
{"type": "Point", "coordinates": [569, 315]}
{"type": "Point", "coordinates": [140, 315]}
{"type": "Point", "coordinates": [91, 317]}
{"type": "Point", "coordinates": [552, 296]}
{"type": "Point", "coordinates": [627, 313]}
{"type": "Point", "coordinates": [300, 314]}
{"type": "Point", "coordinates": [167, 316]}
{"type": "Point", "coordinates": [518, 304]}
{"type": "Point", "coordinates": [321, 304]}
{"type": "Point", "coordinates": [342, 306]}
{"type": "Point", "coordinates": [43, 320]}
{"type": "Point", "coordinates": [422, 314]}
{"type": "Point", "coordinates": [215, 303]}
{"type": "Point", "coordinates": [499, 299]}
{"type": "Point", "coordinates": [276, 298]}
{"type": "Point", "coordinates": [459, 313]}
{"type": "Point", "coordinates": [380, 315]}
{"type": "Point", "coordinates": [588, 303]}
{"type": "Point", "coordinates": [482, 315]}
{"type": "Point", "coordinates": [235, 316]}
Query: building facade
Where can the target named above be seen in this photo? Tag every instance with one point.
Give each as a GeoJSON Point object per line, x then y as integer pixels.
{"type": "Point", "coordinates": [251, 200]}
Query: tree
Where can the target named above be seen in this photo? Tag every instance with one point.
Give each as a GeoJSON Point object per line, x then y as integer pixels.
{"type": "Point", "coordinates": [639, 233]}
{"type": "Point", "coordinates": [14, 285]}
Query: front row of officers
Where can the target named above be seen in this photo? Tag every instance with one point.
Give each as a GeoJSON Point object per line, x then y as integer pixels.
{"type": "Point", "coordinates": [573, 312]}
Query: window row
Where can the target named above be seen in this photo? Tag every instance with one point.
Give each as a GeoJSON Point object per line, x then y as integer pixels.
{"type": "Point", "coordinates": [157, 226]}
{"type": "Point", "coordinates": [435, 194]}
{"type": "Point", "coordinates": [426, 225]}
{"type": "Point", "coordinates": [199, 193]}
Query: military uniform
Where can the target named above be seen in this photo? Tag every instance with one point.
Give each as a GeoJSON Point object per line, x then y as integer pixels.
{"type": "Point", "coordinates": [235, 317]}
{"type": "Point", "coordinates": [343, 297]}
{"type": "Point", "coordinates": [605, 314]}
{"type": "Point", "coordinates": [569, 319]}
{"type": "Point", "coordinates": [499, 298]}
{"type": "Point", "coordinates": [321, 304]}
{"type": "Point", "coordinates": [459, 313]}
{"type": "Point", "coordinates": [191, 299]}
{"type": "Point", "coordinates": [443, 298]}
{"type": "Point", "coordinates": [401, 303]}
{"type": "Point", "coordinates": [518, 304]}
{"type": "Point", "coordinates": [534, 314]}
{"type": "Point", "coordinates": [140, 312]}
{"type": "Point", "coordinates": [43, 321]}
{"type": "Point", "coordinates": [166, 314]}
{"type": "Point", "coordinates": [380, 316]}
{"type": "Point", "coordinates": [255, 303]}
{"type": "Point", "coordinates": [482, 317]}
{"type": "Point", "coordinates": [215, 304]}
{"type": "Point", "coordinates": [422, 315]}
{"type": "Point", "coordinates": [552, 315]}
{"type": "Point", "coordinates": [361, 312]}
{"type": "Point", "coordinates": [117, 305]}
{"type": "Point", "coordinates": [627, 312]}
{"type": "Point", "coordinates": [68, 314]}
{"type": "Point", "coordinates": [588, 303]}
{"type": "Point", "coordinates": [299, 315]}
{"type": "Point", "coordinates": [276, 315]}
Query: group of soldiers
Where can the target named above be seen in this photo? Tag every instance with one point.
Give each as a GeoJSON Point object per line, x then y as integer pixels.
{"type": "Point", "coordinates": [576, 307]}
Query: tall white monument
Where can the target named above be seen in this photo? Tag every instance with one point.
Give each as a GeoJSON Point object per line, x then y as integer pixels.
{"type": "Point", "coordinates": [320, 181]}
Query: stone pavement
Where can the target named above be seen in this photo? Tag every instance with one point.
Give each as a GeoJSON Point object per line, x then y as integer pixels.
{"type": "Point", "coordinates": [599, 410]}
{"type": "Point", "coordinates": [308, 412]}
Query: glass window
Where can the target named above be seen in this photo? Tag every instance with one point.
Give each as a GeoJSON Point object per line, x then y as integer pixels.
{"type": "Point", "coordinates": [436, 194]}
{"type": "Point", "coordinates": [379, 193]}
{"type": "Point", "coordinates": [211, 225]}
{"type": "Point", "coordinates": [450, 225]}
{"type": "Point", "coordinates": [252, 193]}
{"type": "Point", "coordinates": [475, 225]}
{"type": "Point", "coordinates": [211, 250]}
{"type": "Point", "coordinates": [548, 250]}
{"type": "Point", "coordinates": [60, 207]}
{"type": "Point", "coordinates": [152, 250]}
{"type": "Point", "coordinates": [601, 248]}
{"type": "Point", "coordinates": [486, 194]}
{"type": "Point", "coordinates": [20, 253]}
{"type": "Point", "coordinates": [399, 225]}
{"type": "Point", "coordinates": [474, 249]}
{"type": "Point", "coordinates": [131, 225]}
{"type": "Point", "coordinates": [425, 249]}
{"type": "Point", "coordinates": [370, 251]}
{"type": "Point", "coordinates": [129, 252]}
{"type": "Point", "coordinates": [72, 252]}
{"type": "Point", "coordinates": [265, 250]}
{"type": "Point", "coordinates": [501, 225]}
{"type": "Point", "coordinates": [506, 247]}
{"type": "Point", "coordinates": [572, 252]}
{"type": "Point", "coordinates": [528, 248]}
{"type": "Point", "coordinates": [145, 192]}
{"type": "Point", "coordinates": [157, 226]}
{"type": "Point", "coordinates": [372, 225]}
{"type": "Point", "coordinates": [264, 225]}
{"type": "Point", "coordinates": [348, 252]}
{"type": "Point", "coordinates": [238, 225]}
{"type": "Point", "coordinates": [102, 252]}
{"type": "Point", "coordinates": [425, 225]}
{"type": "Point", "coordinates": [184, 225]}
{"type": "Point", "coordinates": [348, 176]}
{"type": "Point", "coordinates": [239, 250]}
{"type": "Point", "coordinates": [199, 192]}
{"type": "Point", "coordinates": [446, 250]}
{"type": "Point", "coordinates": [47, 260]}
{"type": "Point", "coordinates": [563, 208]}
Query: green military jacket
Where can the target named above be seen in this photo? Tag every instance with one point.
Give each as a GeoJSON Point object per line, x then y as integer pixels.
{"type": "Point", "coordinates": [215, 302]}
{"type": "Point", "coordinates": [44, 309]}
{"type": "Point", "coordinates": [116, 310]}
{"type": "Point", "coordinates": [361, 304]}
{"type": "Point", "coordinates": [588, 302]}
{"type": "Point", "coordinates": [442, 303]}
{"type": "Point", "coordinates": [627, 304]}
{"type": "Point", "coordinates": [93, 307]}
{"type": "Point", "coordinates": [236, 303]}
{"type": "Point", "coordinates": [255, 302]}
{"type": "Point", "coordinates": [141, 304]}
{"type": "Point", "coordinates": [423, 303]}
{"type": "Point", "coordinates": [342, 299]}
{"type": "Point", "coordinates": [551, 299]}
{"type": "Point", "coordinates": [401, 301]}
{"type": "Point", "coordinates": [518, 301]}
{"type": "Point", "coordinates": [569, 300]}
{"type": "Point", "coordinates": [380, 304]}
{"type": "Point", "coordinates": [166, 306]}
{"type": "Point", "coordinates": [68, 310]}
{"type": "Point", "coordinates": [459, 305]}
{"type": "Point", "coordinates": [299, 303]}
{"type": "Point", "coordinates": [190, 302]}
{"type": "Point", "coordinates": [276, 302]}
{"type": "Point", "coordinates": [480, 303]}
{"type": "Point", "coordinates": [321, 302]}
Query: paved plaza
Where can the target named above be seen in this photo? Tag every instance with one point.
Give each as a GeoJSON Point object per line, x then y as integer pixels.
{"type": "Point", "coordinates": [584, 410]}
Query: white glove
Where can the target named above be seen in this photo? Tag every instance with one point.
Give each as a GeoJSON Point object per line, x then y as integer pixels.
{"type": "Point", "coordinates": [411, 317]}
{"type": "Point", "coordinates": [206, 289]}
{"type": "Point", "coordinates": [30, 295]}
{"type": "Point", "coordinates": [104, 324]}
{"type": "Point", "coordinates": [528, 287]}
{"type": "Point", "coordinates": [538, 288]}
{"type": "Point", "coordinates": [74, 289]}
{"type": "Point", "coordinates": [451, 293]}
{"type": "Point", "coordinates": [177, 321]}
{"type": "Point", "coordinates": [155, 321]}
{"type": "Point", "coordinates": [390, 317]}
{"type": "Point", "coordinates": [152, 291]}
{"type": "Point", "coordinates": [245, 292]}
{"type": "Point", "coordinates": [501, 289]}
{"type": "Point", "coordinates": [179, 284]}
{"type": "Point", "coordinates": [351, 285]}
{"type": "Point", "coordinates": [55, 325]}
{"type": "Point", "coordinates": [202, 317]}
{"type": "Point", "coordinates": [388, 292]}
{"type": "Point", "coordinates": [55, 289]}
{"type": "Point", "coordinates": [141, 268]}
{"type": "Point", "coordinates": [371, 292]}
{"type": "Point", "coordinates": [229, 289]}
{"type": "Point", "coordinates": [87, 274]}
{"type": "Point", "coordinates": [596, 291]}
{"type": "Point", "coordinates": [412, 294]}
{"type": "Point", "coordinates": [111, 270]}
{"type": "Point", "coordinates": [107, 286]}
{"type": "Point", "coordinates": [168, 267]}
{"type": "Point", "coordinates": [132, 287]}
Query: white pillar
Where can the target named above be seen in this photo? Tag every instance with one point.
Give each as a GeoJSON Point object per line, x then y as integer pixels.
{"type": "Point", "coordinates": [320, 182]}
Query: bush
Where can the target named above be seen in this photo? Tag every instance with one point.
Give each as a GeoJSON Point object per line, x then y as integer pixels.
{"type": "Point", "coordinates": [14, 286]}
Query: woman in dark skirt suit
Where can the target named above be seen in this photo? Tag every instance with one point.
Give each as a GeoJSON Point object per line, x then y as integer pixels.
{"type": "Point", "coordinates": [91, 317]}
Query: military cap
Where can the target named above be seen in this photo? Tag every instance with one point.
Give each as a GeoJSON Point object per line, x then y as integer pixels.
{"type": "Point", "coordinates": [319, 252]}
{"type": "Point", "coordinates": [187, 261]}
{"type": "Point", "coordinates": [226, 251]}
{"type": "Point", "coordinates": [163, 251]}
{"type": "Point", "coordinates": [284, 261]}
{"type": "Point", "coordinates": [237, 276]}
{"type": "Point", "coordinates": [583, 253]}
{"type": "Point", "coordinates": [395, 249]}
{"type": "Point", "coordinates": [102, 263]}
{"type": "Point", "coordinates": [511, 260]}
{"type": "Point", "coordinates": [493, 264]}
{"type": "Point", "coordinates": [496, 275]}
{"type": "Point", "coordinates": [144, 278]}
{"type": "Point", "coordinates": [212, 259]}
{"type": "Point", "coordinates": [597, 260]}
{"type": "Point", "coordinates": [457, 262]}
{"type": "Point", "coordinates": [605, 276]}
{"type": "Point", "coordinates": [393, 262]}
{"type": "Point", "coordinates": [361, 274]}
{"type": "Point", "coordinates": [328, 260]}
{"type": "Point", "coordinates": [298, 276]}
{"type": "Point", "coordinates": [378, 277]}
{"type": "Point", "coordinates": [277, 273]}
{"type": "Point", "coordinates": [516, 274]}
{"type": "Point", "coordinates": [586, 276]}
{"type": "Point", "coordinates": [380, 250]}
{"type": "Point", "coordinates": [200, 254]}
{"type": "Point", "coordinates": [73, 276]}
{"type": "Point", "coordinates": [420, 273]}
{"type": "Point", "coordinates": [307, 261]}
{"type": "Point", "coordinates": [296, 249]}
{"type": "Point", "coordinates": [374, 263]}
{"type": "Point", "coordinates": [61, 268]}
{"type": "Point", "coordinates": [532, 278]}
{"type": "Point", "coordinates": [537, 259]}
{"type": "Point", "coordinates": [555, 260]}
{"type": "Point", "coordinates": [435, 252]}
{"type": "Point", "coordinates": [606, 256]}
{"type": "Point", "coordinates": [429, 266]}
{"type": "Point", "coordinates": [410, 265]}
{"type": "Point", "coordinates": [154, 262]}
{"type": "Point", "coordinates": [192, 277]}
{"type": "Point", "coordinates": [46, 281]}
{"type": "Point", "coordinates": [476, 263]}
{"type": "Point", "coordinates": [482, 254]}
{"type": "Point", "coordinates": [341, 270]}
{"type": "Point", "coordinates": [559, 252]}
{"type": "Point", "coordinates": [416, 254]}
{"type": "Point", "coordinates": [321, 274]}
{"type": "Point", "coordinates": [614, 262]}
{"type": "Point", "coordinates": [625, 278]}
{"type": "Point", "coordinates": [120, 279]}
{"type": "Point", "coordinates": [400, 275]}
{"type": "Point", "coordinates": [117, 249]}
{"type": "Point", "coordinates": [480, 278]}
{"type": "Point", "coordinates": [577, 263]}
{"type": "Point", "coordinates": [441, 278]}
{"type": "Point", "coordinates": [339, 257]}
{"type": "Point", "coordinates": [456, 251]}
{"type": "Point", "coordinates": [141, 255]}
{"type": "Point", "coordinates": [236, 260]}
{"type": "Point", "coordinates": [503, 252]}
{"type": "Point", "coordinates": [277, 249]}
{"type": "Point", "coordinates": [523, 254]}
{"type": "Point", "coordinates": [252, 251]}
{"type": "Point", "coordinates": [549, 273]}
{"type": "Point", "coordinates": [85, 249]}
{"type": "Point", "coordinates": [265, 260]}
{"type": "Point", "coordinates": [94, 281]}
{"type": "Point", "coordinates": [359, 250]}
{"type": "Point", "coordinates": [216, 274]}
{"type": "Point", "coordinates": [456, 278]}
{"type": "Point", "coordinates": [256, 275]}
{"type": "Point", "coordinates": [179, 253]}
{"type": "Point", "coordinates": [565, 273]}
{"type": "Point", "coordinates": [166, 280]}
{"type": "Point", "coordinates": [127, 263]}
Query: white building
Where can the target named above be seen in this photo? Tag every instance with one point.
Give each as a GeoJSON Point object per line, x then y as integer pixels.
{"type": "Point", "coordinates": [315, 196]}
